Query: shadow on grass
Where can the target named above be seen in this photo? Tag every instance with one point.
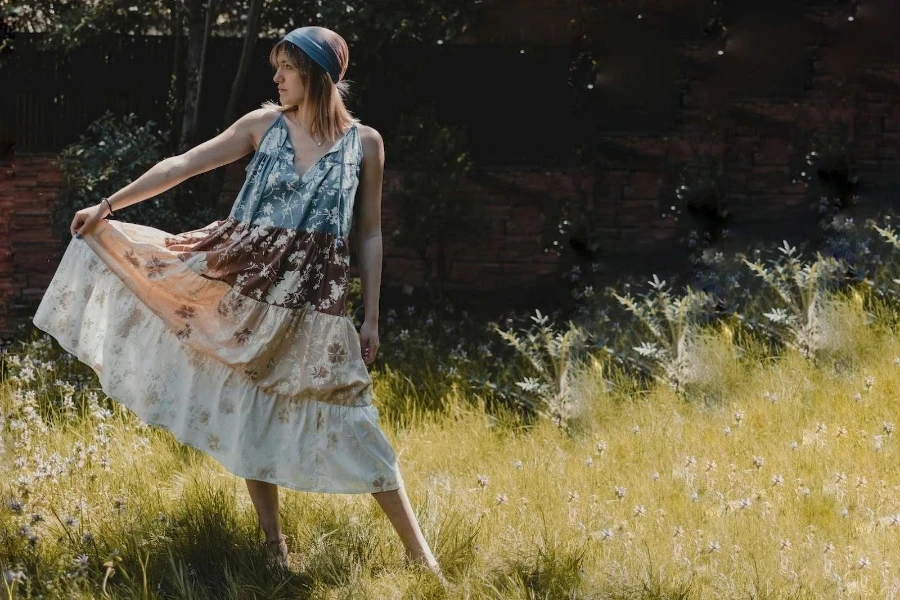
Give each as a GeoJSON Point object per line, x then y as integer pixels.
{"type": "Point", "coordinates": [553, 568]}
{"type": "Point", "coordinates": [206, 551]}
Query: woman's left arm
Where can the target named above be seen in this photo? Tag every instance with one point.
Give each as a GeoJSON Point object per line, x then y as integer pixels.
{"type": "Point", "coordinates": [367, 228]}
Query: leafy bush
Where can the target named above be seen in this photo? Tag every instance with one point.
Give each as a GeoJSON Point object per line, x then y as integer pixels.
{"type": "Point", "coordinates": [672, 322]}
{"type": "Point", "coordinates": [113, 152]}
{"type": "Point", "coordinates": [886, 277]}
{"type": "Point", "coordinates": [551, 355]}
{"type": "Point", "coordinates": [430, 353]}
{"type": "Point", "coordinates": [432, 217]}
{"type": "Point", "coordinates": [799, 288]}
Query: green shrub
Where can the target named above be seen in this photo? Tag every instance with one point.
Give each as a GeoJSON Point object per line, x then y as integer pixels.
{"type": "Point", "coordinates": [433, 219]}
{"type": "Point", "coordinates": [112, 153]}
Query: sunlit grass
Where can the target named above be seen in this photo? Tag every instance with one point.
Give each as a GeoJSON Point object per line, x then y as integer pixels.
{"type": "Point", "coordinates": [777, 479]}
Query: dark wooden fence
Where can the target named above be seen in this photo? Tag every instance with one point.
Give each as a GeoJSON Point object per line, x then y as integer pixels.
{"type": "Point", "coordinates": [517, 107]}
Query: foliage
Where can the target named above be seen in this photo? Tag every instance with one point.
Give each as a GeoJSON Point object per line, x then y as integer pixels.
{"type": "Point", "coordinates": [551, 355]}
{"type": "Point", "coordinates": [683, 487]}
{"type": "Point", "coordinates": [70, 23]}
{"type": "Point", "coordinates": [672, 322]}
{"type": "Point", "coordinates": [112, 153]}
{"type": "Point", "coordinates": [887, 276]}
{"type": "Point", "coordinates": [799, 287]}
{"type": "Point", "coordinates": [433, 218]}
{"type": "Point", "coordinates": [430, 353]}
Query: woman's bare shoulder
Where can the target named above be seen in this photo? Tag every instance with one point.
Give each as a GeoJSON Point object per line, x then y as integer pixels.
{"type": "Point", "coordinates": [372, 142]}
{"type": "Point", "coordinates": [369, 133]}
{"type": "Point", "coordinates": [256, 122]}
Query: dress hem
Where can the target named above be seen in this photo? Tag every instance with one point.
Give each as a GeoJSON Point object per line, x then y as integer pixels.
{"type": "Point", "coordinates": [83, 358]}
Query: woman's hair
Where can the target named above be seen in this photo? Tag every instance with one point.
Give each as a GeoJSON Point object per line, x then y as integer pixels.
{"type": "Point", "coordinates": [323, 100]}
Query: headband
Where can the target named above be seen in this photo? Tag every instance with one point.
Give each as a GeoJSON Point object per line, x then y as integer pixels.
{"type": "Point", "coordinates": [312, 41]}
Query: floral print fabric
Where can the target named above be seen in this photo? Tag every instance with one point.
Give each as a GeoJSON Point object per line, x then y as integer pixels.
{"type": "Point", "coordinates": [232, 336]}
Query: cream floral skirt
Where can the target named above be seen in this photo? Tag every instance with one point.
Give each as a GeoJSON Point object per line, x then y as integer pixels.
{"type": "Point", "coordinates": [273, 394]}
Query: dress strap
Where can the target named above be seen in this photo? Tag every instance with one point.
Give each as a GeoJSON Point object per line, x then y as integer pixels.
{"type": "Point", "coordinates": [340, 241]}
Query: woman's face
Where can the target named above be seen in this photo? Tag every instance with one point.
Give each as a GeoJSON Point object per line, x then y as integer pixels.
{"type": "Point", "coordinates": [290, 83]}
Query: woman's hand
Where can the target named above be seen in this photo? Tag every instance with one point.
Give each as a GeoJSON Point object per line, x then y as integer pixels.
{"type": "Point", "coordinates": [368, 341]}
{"type": "Point", "coordinates": [86, 218]}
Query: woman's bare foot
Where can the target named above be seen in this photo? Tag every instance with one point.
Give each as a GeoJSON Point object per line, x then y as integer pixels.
{"type": "Point", "coordinates": [277, 552]}
{"type": "Point", "coordinates": [429, 563]}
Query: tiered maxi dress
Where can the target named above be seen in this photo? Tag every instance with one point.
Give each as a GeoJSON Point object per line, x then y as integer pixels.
{"type": "Point", "coordinates": [233, 337]}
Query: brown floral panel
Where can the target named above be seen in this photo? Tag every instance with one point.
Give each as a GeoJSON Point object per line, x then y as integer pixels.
{"type": "Point", "coordinates": [284, 267]}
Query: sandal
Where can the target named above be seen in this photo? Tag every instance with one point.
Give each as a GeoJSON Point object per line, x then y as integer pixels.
{"type": "Point", "coordinates": [277, 552]}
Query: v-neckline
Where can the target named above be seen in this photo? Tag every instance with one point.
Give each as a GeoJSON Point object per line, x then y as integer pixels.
{"type": "Point", "coordinates": [287, 135]}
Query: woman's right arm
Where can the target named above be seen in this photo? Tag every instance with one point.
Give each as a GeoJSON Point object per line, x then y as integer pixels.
{"type": "Point", "coordinates": [230, 145]}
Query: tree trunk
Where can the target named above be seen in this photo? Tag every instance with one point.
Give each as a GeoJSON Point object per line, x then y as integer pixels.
{"type": "Point", "coordinates": [251, 35]}
{"type": "Point", "coordinates": [175, 100]}
{"type": "Point", "coordinates": [240, 77]}
{"type": "Point", "coordinates": [211, 9]}
{"type": "Point", "coordinates": [196, 36]}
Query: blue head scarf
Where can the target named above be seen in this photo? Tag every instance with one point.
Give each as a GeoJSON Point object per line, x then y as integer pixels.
{"type": "Point", "coordinates": [312, 41]}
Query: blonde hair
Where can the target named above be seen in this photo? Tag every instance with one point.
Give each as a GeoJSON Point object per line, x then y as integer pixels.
{"type": "Point", "coordinates": [323, 100]}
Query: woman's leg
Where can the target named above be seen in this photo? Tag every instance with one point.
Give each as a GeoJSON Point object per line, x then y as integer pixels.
{"type": "Point", "coordinates": [265, 499]}
{"type": "Point", "coordinates": [396, 506]}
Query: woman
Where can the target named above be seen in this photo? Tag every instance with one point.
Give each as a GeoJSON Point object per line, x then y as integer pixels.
{"type": "Point", "coordinates": [233, 336]}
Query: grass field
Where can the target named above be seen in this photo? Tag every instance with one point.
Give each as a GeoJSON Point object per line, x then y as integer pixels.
{"type": "Point", "coordinates": [782, 484]}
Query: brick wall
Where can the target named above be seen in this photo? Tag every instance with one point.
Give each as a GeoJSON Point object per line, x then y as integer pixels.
{"type": "Point", "coordinates": [512, 202]}
{"type": "Point", "coordinates": [28, 187]}
{"type": "Point", "coordinates": [752, 127]}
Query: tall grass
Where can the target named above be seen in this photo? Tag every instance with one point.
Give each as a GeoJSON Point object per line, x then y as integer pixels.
{"type": "Point", "coordinates": [751, 454]}
{"type": "Point", "coordinates": [782, 489]}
